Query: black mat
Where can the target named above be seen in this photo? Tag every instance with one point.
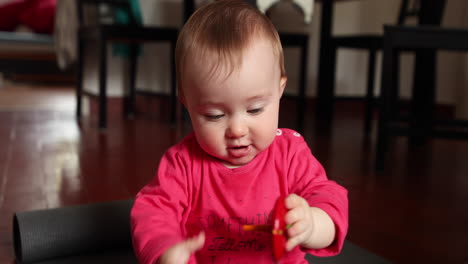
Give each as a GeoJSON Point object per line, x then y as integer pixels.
{"type": "Point", "coordinates": [100, 233]}
{"type": "Point", "coordinates": [113, 257]}
{"type": "Point", "coordinates": [79, 231]}
{"type": "Point", "coordinates": [351, 253]}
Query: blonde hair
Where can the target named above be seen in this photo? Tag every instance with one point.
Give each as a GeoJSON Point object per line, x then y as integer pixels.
{"type": "Point", "coordinates": [223, 30]}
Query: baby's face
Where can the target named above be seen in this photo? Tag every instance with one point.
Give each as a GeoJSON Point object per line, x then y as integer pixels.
{"type": "Point", "coordinates": [236, 117]}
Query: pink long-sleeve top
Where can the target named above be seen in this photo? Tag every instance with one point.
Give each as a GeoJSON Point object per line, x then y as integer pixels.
{"type": "Point", "coordinates": [194, 191]}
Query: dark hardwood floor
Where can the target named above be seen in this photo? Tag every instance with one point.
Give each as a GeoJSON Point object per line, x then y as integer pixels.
{"type": "Point", "coordinates": [414, 212]}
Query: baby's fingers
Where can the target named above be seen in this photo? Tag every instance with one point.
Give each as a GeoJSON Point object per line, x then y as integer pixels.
{"type": "Point", "coordinates": [181, 252]}
{"type": "Point", "coordinates": [295, 240]}
{"type": "Point", "coordinates": [293, 201]}
{"type": "Point", "coordinates": [195, 243]}
{"type": "Point", "coordinates": [296, 228]}
{"type": "Point", "coordinates": [295, 215]}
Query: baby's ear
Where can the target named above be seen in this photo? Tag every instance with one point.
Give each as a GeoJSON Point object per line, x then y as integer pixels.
{"type": "Point", "coordinates": [283, 81]}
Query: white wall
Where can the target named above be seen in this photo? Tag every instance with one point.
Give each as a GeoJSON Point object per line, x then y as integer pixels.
{"type": "Point", "coordinates": [365, 16]}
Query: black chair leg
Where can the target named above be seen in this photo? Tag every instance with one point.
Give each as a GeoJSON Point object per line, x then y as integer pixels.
{"type": "Point", "coordinates": [326, 91]}
{"type": "Point", "coordinates": [394, 95]}
{"type": "Point", "coordinates": [325, 82]}
{"type": "Point", "coordinates": [79, 78]}
{"type": "Point", "coordinates": [302, 86]}
{"type": "Point", "coordinates": [130, 104]}
{"type": "Point", "coordinates": [386, 109]}
{"type": "Point", "coordinates": [422, 104]}
{"type": "Point", "coordinates": [102, 85]}
{"type": "Point", "coordinates": [173, 92]}
{"type": "Point", "coordinates": [370, 94]}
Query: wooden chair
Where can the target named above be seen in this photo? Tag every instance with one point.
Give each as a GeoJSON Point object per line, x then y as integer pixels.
{"type": "Point", "coordinates": [372, 43]}
{"type": "Point", "coordinates": [401, 38]}
{"type": "Point", "coordinates": [423, 40]}
{"type": "Point", "coordinates": [132, 34]}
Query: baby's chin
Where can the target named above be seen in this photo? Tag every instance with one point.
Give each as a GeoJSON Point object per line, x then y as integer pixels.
{"type": "Point", "coordinates": [236, 163]}
{"type": "Point", "coordinates": [231, 166]}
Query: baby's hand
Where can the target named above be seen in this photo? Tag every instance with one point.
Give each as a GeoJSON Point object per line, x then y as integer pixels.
{"type": "Point", "coordinates": [180, 253]}
{"type": "Point", "coordinates": [299, 218]}
{"type": "Point", "coordinates": [310, 227]}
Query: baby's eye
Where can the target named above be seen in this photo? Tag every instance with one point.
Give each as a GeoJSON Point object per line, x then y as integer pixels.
{"type": "Point", "coordinates": [255, 111]}
{"type": "Point", "coordinates": [214, 117]}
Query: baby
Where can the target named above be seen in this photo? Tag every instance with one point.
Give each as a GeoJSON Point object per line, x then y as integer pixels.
{"type": "Point", "coordinates": [230, 171]}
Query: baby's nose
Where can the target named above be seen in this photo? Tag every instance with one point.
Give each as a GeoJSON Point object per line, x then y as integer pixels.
{"type": "Point", "coordinates": [237, 128]}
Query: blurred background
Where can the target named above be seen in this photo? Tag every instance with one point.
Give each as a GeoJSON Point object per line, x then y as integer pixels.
{"type": "Point", "coordinates": [63, 141]}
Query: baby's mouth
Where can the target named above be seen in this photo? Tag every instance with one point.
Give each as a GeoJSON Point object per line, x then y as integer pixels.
{"type": "Point", "coordinates": [238, 147]}
{"type": "Point", "coordinates": [239, 151]}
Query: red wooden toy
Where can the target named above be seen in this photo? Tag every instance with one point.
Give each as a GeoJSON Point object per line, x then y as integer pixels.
{"type": "Point", "coordinates": [278, 228]}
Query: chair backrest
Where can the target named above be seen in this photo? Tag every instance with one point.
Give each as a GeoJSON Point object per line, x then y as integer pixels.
{"type": "Point", "coordinates": [408, 9]}
{"type": "Point", "coordinates": [423, 14]}
{"type": "Point", "coordinates": [102, 11]}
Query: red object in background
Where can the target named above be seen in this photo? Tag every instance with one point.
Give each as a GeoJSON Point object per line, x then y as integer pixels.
{"type": "Point", "coordinates": [10, 14]}
{"type": "Point", "coordinates": [38, 15]}
{"type": "Point", "coordinates": [279, 229]}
